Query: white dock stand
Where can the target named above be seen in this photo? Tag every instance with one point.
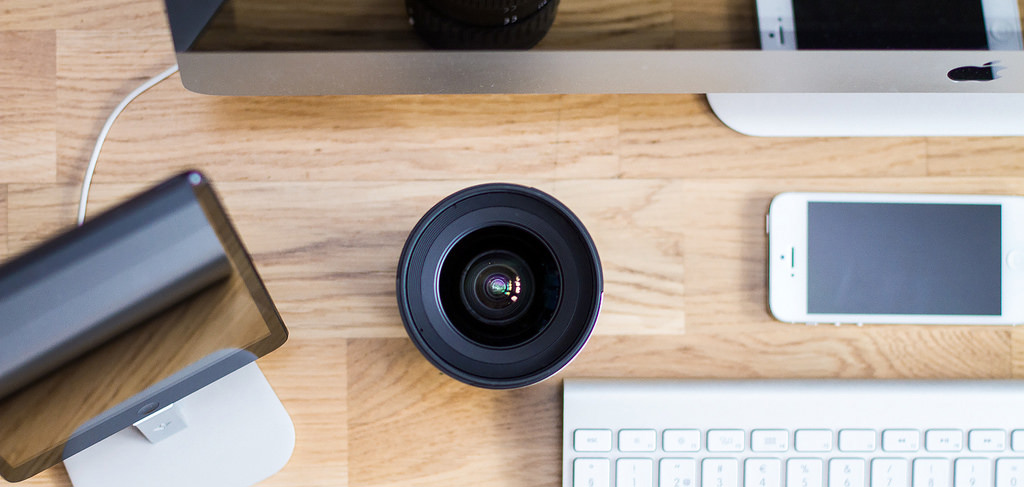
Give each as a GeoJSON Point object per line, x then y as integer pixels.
{"type": "Point", "coordinates": [236, 433]}
{"type": "Point", "coordinates": [871, 114]}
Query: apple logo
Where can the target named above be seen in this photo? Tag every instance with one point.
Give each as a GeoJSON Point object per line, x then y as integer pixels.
{"type": "Point", "coordinates": [986, 72]}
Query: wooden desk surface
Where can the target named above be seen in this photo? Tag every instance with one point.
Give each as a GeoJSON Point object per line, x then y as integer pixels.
{"type": "Point", "coordinates": [324, 191]}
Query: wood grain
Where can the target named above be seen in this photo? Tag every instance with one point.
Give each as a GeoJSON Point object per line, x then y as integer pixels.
{"type": "Point", "coordinates": [438, 432]}
{"type": "Point", "coordinates": [324, 191]}
{"type": "Point", "coordinates": [36, 212]}
{"type": "Point", "coordinates": [678, 136]}
{"type": "Point", "coordinates": [96, 69]}
{"type": "Point", "coordinates": [28, 111]}
{"type": "Point", "coordinates": [309, 374]}
{"type": "Point", "coordinates": [1017, 357]}
{"type": "Point", "coordinates": [978, 156]}
{"type": "Point", "coordinates": [26, 15]}
{"type": "Point", "coordinates": [110, 15]}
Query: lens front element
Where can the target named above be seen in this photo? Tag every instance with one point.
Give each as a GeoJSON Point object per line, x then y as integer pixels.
{"type": "Point", "coordinates": [488, 288]}
{"type": "Point", "coordinates": [496, 287]}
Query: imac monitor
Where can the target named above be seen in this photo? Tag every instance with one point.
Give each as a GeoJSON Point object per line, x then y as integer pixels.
{"type": "Point", "coordinates": [307, 47]}
{"type": "Point", "coordinates": [158, 398]}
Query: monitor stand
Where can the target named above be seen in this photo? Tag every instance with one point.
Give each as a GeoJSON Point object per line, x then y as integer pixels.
{"type": "Point", "coordinates": [871, 114]}
{"type": "Point", "coordinates": [233, 432]}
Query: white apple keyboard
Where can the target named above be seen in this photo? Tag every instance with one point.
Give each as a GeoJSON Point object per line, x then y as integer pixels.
{"type": "Point", "coordinates": [793, 433]}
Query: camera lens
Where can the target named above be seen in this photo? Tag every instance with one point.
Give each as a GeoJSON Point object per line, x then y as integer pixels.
{"type": "Point", "coordinates": [499, 285]}
{"type": "Point", "coordinates": [482, 24]}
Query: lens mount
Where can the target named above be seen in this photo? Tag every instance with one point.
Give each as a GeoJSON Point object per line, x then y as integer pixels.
{"type": "Point", "coordinates": [499, 285]}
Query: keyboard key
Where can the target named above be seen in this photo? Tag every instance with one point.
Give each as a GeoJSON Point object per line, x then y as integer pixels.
{"type": "Point", "coordinates": [591, 472]}
{"type": "Point", "coordinates": [1010, 472]}
{"type": "Point", "coordinates": [889, 472]}
{"type": "Point", "coordinates": [944, 440]}
{"type": "Point", "coordinates": [972, 472]}
{"type": "Point", "coordinates": [677, 472]}
{"type": "Point", "coordinates": [592, 440]}
{"type": "Point", "coordinates": [986, 440]}
{"type": "Point", "coordinates": [762, 472]}
{"type": "Point", "coordinates": [634, 472]}
{"type": "Point", "coordinates": [846, 472]}
{"type": "Point", "coordinates": [720, 472]}
{"type": "Point", "coordinates": [681, 440]}
{"type": "Point", "coordinates": [813, 440]}
{"type": "Point", "coordinates": [931, 472]}
{"type": "Point", "coordinates": [804, 472]}
{"type": "Point", "coordinates": [1018, 440]}
{"type": "Point", "coordinates": [901, 440]}
{"type": "Point", "coordinates": [725, 440]}
{"type": "Point", "coordinates": [637, 440]}
{"type": "Point", "coordinates": [857, 440]}
{"type": "Point", "coordinates": [769, 440]}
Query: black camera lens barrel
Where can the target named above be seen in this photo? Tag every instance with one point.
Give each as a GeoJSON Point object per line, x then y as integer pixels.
{"type": "Point", "coordinates": [475, 332]}
{"type": "Point", "coordinates": [482, 24]}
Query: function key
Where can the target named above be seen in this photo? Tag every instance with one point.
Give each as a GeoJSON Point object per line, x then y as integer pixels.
{"type": "Point", "coordinates": [681, 440]}
{"type": "Point", "coordinates": [592, 440]}
{"type": "Point", "coordinates": [857, 440]}
{"type": "Point", "coordinates": [944, 440]}
{"type": "Point", "coordinates": [637, 440]}
{"type": "Point", "coordinates": [986, 440]}
{"type": "Point", "coordinates": [769, 440]}
{"type": "Point", "coordinates": [813, 440]}
{"type": "Point", "coordinates": [901, 440]}
{"type": "Point", "coordinates": [725, 440]}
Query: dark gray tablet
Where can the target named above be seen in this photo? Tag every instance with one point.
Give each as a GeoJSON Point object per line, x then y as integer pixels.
{"type": "Point", "coordinates": [139, 307]}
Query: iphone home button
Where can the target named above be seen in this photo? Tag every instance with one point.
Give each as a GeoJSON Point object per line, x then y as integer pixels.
{"type": "Point", "coordinates": [1015, 259]}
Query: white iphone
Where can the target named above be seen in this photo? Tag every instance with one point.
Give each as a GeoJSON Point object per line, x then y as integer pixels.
{"type": "Point", "coordinates": [889, 24]}
{"type": "Point", "coordinates": [896, 258]}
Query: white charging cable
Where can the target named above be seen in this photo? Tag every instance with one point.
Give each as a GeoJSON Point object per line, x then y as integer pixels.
{"type": "Point", "coordinates": [87, 182]}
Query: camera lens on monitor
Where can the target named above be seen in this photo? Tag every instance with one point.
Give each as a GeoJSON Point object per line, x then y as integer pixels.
{"type": "Point", "coordinates": [482, 24]}
{"type": "Point", "coordinates": [499, 285]}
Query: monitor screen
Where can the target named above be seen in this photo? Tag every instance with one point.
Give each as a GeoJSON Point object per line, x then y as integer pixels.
{"type": "Point", "coordinates": [166, 357]}
{"type": "Point", "coordinates": [260, 47]}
